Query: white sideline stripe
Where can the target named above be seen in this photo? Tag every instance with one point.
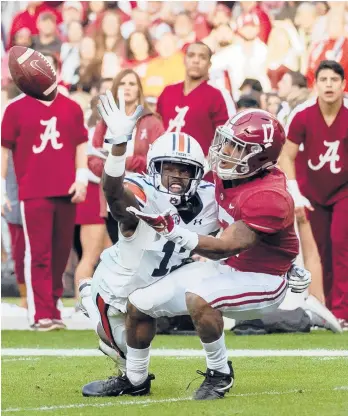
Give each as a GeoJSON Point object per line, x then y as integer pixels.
{"type": "Point", "coordinates": [19, 352]}
{"type": "Point", "coordinates": [150, 401]}
{"type": "Point", "coordinates": [50, 89]}
{"type": "Point", "coordinates": [26, 55]}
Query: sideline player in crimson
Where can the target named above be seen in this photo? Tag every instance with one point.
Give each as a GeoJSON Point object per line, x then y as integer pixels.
{"type": "Point", "coordinates": [258, 244]}
{"type": "Point", "coordinates": [49, 145]}
{"type": "Point", "coordinates": [320, 180]}
{"type": "Point", "coordinates": [194, 106]}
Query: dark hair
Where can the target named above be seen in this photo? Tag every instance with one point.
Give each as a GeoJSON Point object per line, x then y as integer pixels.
{"type": "Point", "coordinates": [333, 65]}
{"type": "Point", "coordinates": [210, 52]}
{"type": "Point", "coordinates": [255, 84]}
{"type": "Point", "coordinates": [298, 79]}
{"type": "Point", "coordinates": [117, 81]}
{"type": "Point", "coordinates": [247, 101]}
{"type": "Point", "coordinates": [129, 54]}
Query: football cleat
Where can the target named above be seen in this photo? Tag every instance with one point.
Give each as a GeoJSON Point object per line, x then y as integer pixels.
{"type": "Point", "coordinates": [117, 386]}
{"type": "Point", "coordinates": [44, 325]}
{"type": "Point", "coordinates": [215, 384]}
{"type": "Point", "coordinates": [344, 324]}
{"type": "Point", "coordinates": [320, 315]}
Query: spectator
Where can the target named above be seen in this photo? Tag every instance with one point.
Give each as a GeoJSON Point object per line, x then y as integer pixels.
{"type": "Point", "coordinates": [28, 17]}
{"type": "Point", "coordinates": [292, 89]}
{"type": "Point", "coordinates": [250, 53]}
{"type": "Point", "coordinates": [48, 141]}
{"type": "Point", "coordinates": [70, 53]}
{"type": "Point", "coordinates": [94, 16]}
{"type": "Point", "coordinates": [181, 105]}
{"type": "Point", "coordinates": [320, 126]}
{"type": "Point", "coordinates": [306, 16]}
{"type": "Point", "coordinates": [47, 38]}
{"type": "Point", "coordinates": [284, 51]}
{"type": "Point", "coordinates": [247, 101]}
{"type": "Point", "coordinates": [220, 16]}
{"type": "Point", "coordinates": [273, 103]}
{"type": "Point", "coordinates": [139, 52]}
{"type": "Point", "coordinates": [140, 22]}
{"type": "Point", "coordinates": [72, 11]}
{"type": "Point", "coordinates": [87, 75]}
{"type": "Point", "coordinates": [334, 47]}
{"type": "Point", "coordinates": [219, 38]}
{"type": "Point", "coordinates": [149, 128]}
{"type": "Point", "coordinates": [287, 10]}
{"type": "Point", "coordinates": [184, 30]}
{"type": "Point", "coordinates": [250, 86]}
{"type": "Point", "coordinates": [159, 18]}
{"type": "Point", "coordinates": [23, 37]}
{"type": "Point", "coordinates": [109, 38]}
{"type": "Point", "coordinates": [252, 10]}
{"type": "Point", "coordinates": [200, 24]}
{"type": "Point", "coordinates": [168, 68]}
{"type": "Point", "coordinates": [110, 45]}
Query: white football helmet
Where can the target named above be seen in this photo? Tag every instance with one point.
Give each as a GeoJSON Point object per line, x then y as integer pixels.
{"type": "Point", "coordinates": [175, 148]}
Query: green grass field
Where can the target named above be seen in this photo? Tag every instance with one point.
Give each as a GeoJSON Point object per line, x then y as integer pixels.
{"type": "Point", "coordinates": [308, 386]}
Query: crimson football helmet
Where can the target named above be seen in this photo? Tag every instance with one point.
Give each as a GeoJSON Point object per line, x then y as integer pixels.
{"type": "Point", "coordinates": [257, 139]}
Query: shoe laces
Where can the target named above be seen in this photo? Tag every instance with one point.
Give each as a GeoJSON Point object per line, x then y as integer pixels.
{"type": "Point", "coordinates": [201, 373]}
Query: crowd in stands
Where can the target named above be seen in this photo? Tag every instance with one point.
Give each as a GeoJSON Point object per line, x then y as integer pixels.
{"type": "Point", "coordinates": [263, 55]}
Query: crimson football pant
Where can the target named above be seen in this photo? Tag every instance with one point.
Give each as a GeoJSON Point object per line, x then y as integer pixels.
{"type": "Point", "coordinates": [48, 225]}
{"type": "Point", "coordinates": [330, 230]}
{"type": "Point", "coordinates": [18, 250]}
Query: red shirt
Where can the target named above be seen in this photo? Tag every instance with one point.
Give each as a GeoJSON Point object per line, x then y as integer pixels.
{"type": "Point", "coordinates": [265, 206]}
{"type": "Point", "coordinates": [43, 140]}
{"type": "Point", "coordinates": [322, 167]}
{"type": "Point", "coordinates": [197, 114]}
{"type": "Point", "coordinates": [335, 49]}
{"type": "Point", "coordinates": [25, 19]}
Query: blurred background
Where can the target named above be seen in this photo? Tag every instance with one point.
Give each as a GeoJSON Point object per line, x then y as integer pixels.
{"type": "Point", "coordinates": [264, 56]}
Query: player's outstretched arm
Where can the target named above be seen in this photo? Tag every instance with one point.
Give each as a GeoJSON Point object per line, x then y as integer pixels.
{"type": "Point", "coordinates": [120, 128]}
{"type": "Point", "coordinates": [235, 239]}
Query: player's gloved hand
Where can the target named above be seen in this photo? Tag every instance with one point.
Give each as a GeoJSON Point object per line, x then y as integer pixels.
{"type": "Point", "coordinates": [164, 225]}
{"type": "Point", "coordinates": [120, 126]}
{"type": "Point", "coordinates": [299, 279]}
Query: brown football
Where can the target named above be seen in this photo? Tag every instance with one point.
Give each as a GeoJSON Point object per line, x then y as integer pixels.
{"type": "Point", "coordinates": [33, 73]}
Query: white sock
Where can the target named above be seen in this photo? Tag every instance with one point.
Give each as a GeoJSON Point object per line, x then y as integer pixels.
{"type": "Point", "coordinates": [137, 365]}
{"type": "Point", "coordinates": [216, 355]}
{"type": "Point", "coordinates": [92, 311]}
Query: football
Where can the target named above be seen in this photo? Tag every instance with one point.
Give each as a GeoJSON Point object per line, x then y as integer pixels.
{"type": "Point", "coordinates": [33, 73]}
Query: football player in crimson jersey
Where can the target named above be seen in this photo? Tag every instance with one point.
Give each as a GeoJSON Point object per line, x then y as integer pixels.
{"type": "Point", "coordinates": [258, 244]}
{"type": "Point", "coordinates": [318, 178]}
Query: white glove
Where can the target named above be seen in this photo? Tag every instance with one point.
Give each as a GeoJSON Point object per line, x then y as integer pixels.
{"type": "Point", "coordinates": [299, 279]}
{"type": "Point", "coordinates": [299, 199]}
{"type": "Point", "coordinates": [120, 126]}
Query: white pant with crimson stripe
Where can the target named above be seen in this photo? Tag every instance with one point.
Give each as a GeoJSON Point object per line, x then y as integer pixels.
{"type": "Point", "coordinates": [238, 295]}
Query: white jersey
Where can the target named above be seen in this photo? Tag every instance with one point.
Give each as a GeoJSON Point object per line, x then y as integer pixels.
{"type": "Point", "coordinates": [146, 257]}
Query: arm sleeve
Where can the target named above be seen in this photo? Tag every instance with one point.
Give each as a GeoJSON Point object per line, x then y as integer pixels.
{"type": "Point", "coordinates": [295, 128]}
{"type": "Point", "coordinates": [267, 212]}
{"type": "Point", "coordinates": [9, 128]}
{"type": "Point", "coordinates": [219, 113]}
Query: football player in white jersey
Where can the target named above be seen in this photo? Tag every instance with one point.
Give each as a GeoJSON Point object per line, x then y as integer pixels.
{"type": "Point", "coordinates": [175, 166]}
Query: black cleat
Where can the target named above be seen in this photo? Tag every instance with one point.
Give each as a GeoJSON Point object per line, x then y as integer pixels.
{"type": "Point", "coordinates": [215, 384]}
{"type": "Point", "coordinates": [117, 386]}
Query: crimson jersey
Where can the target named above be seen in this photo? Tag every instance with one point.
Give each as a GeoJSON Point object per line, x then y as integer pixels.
{"type": "Point", "coordinates": [322, 167]}
{"type": "Point", "coordinates": [43, 140]}
{"type": "Point", "coordinates": [197, 114]}
{"type": "Point", "coordinates": [265, 206]}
